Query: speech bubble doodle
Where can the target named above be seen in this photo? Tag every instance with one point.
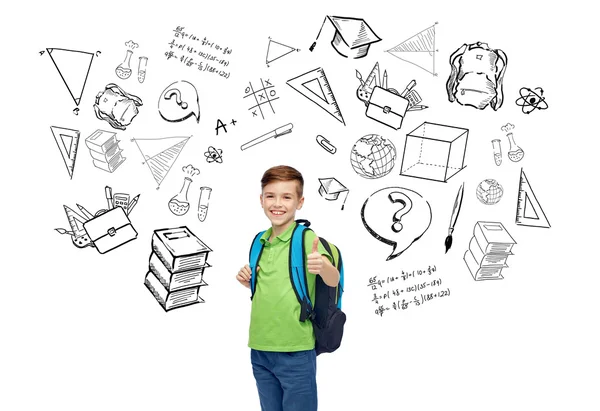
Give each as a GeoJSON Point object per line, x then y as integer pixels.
{"type": "Point", "coordinates": [396, 216]}
{"type": "Point", "coordinates": [179, 101]}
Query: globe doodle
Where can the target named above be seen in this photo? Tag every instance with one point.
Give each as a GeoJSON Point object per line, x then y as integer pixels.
{"type": "Point", "coordinates": [373, 156]}
{"type": "Point", "coordinates": [489, 192]}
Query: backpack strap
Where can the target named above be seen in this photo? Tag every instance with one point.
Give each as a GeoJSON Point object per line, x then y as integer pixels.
{"type": "Point", "coordinates": [337, 263]}
{"type": "Point", "coordinates": [297, 272]}
{"type": "Point", "coordinates": [255, 252]}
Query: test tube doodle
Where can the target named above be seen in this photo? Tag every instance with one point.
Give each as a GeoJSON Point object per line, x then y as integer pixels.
{"type": "Point", "coordinates": [497, 151]}
{"type": "Point", "coordinates": [203, 202]}
{"type": "Point", "coordinates": [142, 69]}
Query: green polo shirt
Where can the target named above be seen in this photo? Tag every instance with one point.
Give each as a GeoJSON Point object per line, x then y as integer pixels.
{"type": "Point", "coordinates": [274, 320]}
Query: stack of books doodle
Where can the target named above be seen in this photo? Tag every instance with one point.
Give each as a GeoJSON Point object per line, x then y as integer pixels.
{"type": "Point", "coordinates": [488, 251]}
{"type": "Point", "coordinates": [176, 267]}
{"type": "Point", "coordinates": [105, 151]}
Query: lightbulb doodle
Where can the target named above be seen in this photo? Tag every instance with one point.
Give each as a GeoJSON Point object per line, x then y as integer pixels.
{"type": "Point", "coordinates": [396, 216]}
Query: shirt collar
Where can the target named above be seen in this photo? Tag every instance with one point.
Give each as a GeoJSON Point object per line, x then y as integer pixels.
{"type": "Point", "coordinates": [283, 237]}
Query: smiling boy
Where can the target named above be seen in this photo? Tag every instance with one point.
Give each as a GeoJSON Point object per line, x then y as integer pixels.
{"type": "Point", "coordinates": [282, 347]}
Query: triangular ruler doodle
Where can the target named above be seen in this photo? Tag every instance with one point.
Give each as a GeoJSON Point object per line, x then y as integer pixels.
{"type": "Point", "coordinates": [73, 67]}
{"type": "Point", "coordinates": [277, 50]}
{"type": "Point", "coordinates": [314, 86]}
{"type": "Point", "coordinates": [529, 210]}
{"type": "Point", "coordinates": [75, 221]}
{"type": "Point", "coordinates": [67, 141]}
{"type": "Point", "coordinates": [418, 50]}
{"type": "Point", "coordinates": [160, 154]}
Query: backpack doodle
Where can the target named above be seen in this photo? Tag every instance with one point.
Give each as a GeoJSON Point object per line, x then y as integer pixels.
{"type": "Point", "coordinates": [326, 315]}
{"type": "Point", "coordinates": [477, 75]}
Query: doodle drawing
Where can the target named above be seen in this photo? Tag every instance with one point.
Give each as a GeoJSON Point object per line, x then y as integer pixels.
{"type": "Point", "coordinates": [326, 144]}
{"type": "Point", "coordinates": [489, 248]}
{"type": "Point", "coordinates": [477, 76]}
{"type": "Point", "coordinates": [79, 236]}
{"type": "Point", "coordinates": [352, 37]}
{"type": "Point", "coordinates": [110, 230]}
{"type": "Point", "coordinates": [123, 70]}
{"type": "Point", "coordinates": [143, 63]}
{"type": "Point", "coordinates": [418, 50]}
{"type": "Point", "coordinates": [331, 188]}
{"type": "Point", "coordinates": [454, 217]}
{"type": "Point", "coordinates": [105, 151]}
{"type": "Point", "coordinates": [278, 132]}
{"type": "Point", "coordinates": [160, 154]}
{"type": "Point", "coordinates": [515, 153]}
{"type": "Point", "coordinates": [222, 125]}
{"type": "Point", "coordinates": [314, 86]}
{"type": "Point", "coordinates": [179, 204]}
{"type": "Point", "coordinates": [73, 67]}
{"type": "Point", "coordinates": [497, 151]}
{"type": "Point", "coordinates": [489, 192]}
{"type": "Point", "coordinates": [214, 155]}
{"type": "Point", "coordinates": [262, 97]}
{"type": "Point", "coordinates": [396, 216]}
{"type": "Point", "coordinates": [434, 152]}
{"type": "Point", "coordinates": [176, 267]}
{"type": "Point", "coordinates": [67, 141]}
{"type": "Point", "coordinates": [531, 100]}
{"type": "Point", "coordinates": [179, 101]}
{"type": "Point", "coordinates": [203, 202]}
{"type": "Point", "coordinates": [373, 156]}
{"type": "Point", "coordinates": [529, 210]}
{"type": "Point", "coordinates": [117, 107]}
{"type": "Point", "coordinates": [276, 50]}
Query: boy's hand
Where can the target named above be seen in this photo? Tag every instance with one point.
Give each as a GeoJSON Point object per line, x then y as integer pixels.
{"type": "Point", "coordinates": [314, 260]}
{"type": "Point", "coordinates": [244, 275]}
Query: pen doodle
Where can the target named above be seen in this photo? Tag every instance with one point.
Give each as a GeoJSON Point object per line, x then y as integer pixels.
{"type": "Point", "coordinates": [278, 132]}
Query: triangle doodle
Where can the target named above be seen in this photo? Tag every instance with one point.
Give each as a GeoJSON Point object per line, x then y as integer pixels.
{"type": "Point", "coordinates": [67, 141]}
{"type": "Point", "coordinates": [529, 210]}
{"type": "Point", "coordinates": [418, 50]}
{"type": "Point", "coordinates": [160, 154]}
{"type": "Point", "coordinates": [314, 86]}
{"type": "Point", "coordinates": [276, 50]}
{"type": "Point", "coordinates": [73, 67]}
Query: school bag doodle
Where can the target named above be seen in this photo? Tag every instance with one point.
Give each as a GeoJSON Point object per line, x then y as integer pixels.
{"type": "Point", "coordinates": [477, 76]}
{"type": "Point", "coordinates": [116, 106]}
{"type": "Point", "coordinates": [326, 314]}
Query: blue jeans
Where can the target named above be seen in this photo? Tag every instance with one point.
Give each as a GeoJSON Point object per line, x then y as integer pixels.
{"type": "Point", "coordinates": [286, 381]}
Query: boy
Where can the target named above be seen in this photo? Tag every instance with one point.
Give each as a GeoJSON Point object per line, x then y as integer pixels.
{"type": "Point", "coordinates": [282, 347]}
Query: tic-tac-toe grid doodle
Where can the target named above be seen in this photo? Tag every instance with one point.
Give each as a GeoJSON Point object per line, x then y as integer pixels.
{"type": "Point", "coordinates": [261, 97]}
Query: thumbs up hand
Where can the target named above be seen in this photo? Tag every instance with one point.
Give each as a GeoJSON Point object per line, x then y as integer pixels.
{"type": "Point", "coordinates": [314, 260]}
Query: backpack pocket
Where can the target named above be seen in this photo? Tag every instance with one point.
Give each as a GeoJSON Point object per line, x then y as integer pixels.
{"type": "Point", "coordinates": [329, 337]}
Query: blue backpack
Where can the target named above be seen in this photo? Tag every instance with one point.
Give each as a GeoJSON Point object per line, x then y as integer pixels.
{"type": "Point", "coordinates": [326, 315]}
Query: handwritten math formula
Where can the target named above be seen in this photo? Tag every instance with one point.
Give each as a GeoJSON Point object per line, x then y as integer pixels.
{"type": "Point", "coordinates": [391, 293]}
{"type": "Point", "coordinates": [189, 46]}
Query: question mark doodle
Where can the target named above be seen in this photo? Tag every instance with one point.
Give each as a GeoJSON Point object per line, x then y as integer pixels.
{"type": "Point", "coordinates": [175, 92]}
{"type": "Point", "coordinates": [398, 197]}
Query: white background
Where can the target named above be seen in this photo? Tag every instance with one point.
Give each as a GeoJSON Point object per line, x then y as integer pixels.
{"type": "Point", "coordinates": [80, 331]}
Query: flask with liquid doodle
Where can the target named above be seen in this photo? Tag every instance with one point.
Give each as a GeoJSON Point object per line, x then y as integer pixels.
{"type": "Point", "coordinates": [203, 202]}
{"type": "Point", "coordinates": [123, 70]}
{"type": "Point", "coordinates": [515, 153]}
{"type": "Point", "coordinates": [179, 204]}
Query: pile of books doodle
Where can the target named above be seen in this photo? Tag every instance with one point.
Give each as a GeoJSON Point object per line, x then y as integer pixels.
{"type": "Point", "coordinates": [105, 151]}
{"type": "Point", "coordinates": [176, 267]}
{"type": "Point", "coordinates": [488, 251]}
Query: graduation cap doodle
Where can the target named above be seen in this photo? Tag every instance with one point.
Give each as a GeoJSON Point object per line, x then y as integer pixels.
{"type": "Point", "coordinates": [352, 36]}
{"type": "Point", "coordinates": [331, 188]}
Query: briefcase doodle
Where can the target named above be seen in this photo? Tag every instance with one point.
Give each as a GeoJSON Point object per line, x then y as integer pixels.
{"type": "Point", "coordinates": [110, 230]}
{"type": "Point", "coordinates": [387, 108]}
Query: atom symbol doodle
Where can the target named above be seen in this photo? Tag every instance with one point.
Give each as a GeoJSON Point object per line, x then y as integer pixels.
{"type": "Point", "coordinates": [213, 155]}
{"type": "Point", "coordinates": [531, 100]}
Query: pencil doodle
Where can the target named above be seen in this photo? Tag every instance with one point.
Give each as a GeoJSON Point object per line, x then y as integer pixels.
{"type": "Point", "coordinates": [214, 155]}
{"type": "Point", "coordinates": [352, 37]}
{"type": "Point", "coordinates": [418, 50]}
{"type": "Point", "coordinates": [489, 192]}
{"type": "Point", "coordinates": [105, 151]}
{"type": "Point", "coordinates": [529, 210]}
{"type": "Point", "coordinates": [118, 200]}
{"type": "Point", "coordinates": [396, 216]}
{"type": "Point", "coordinates": [74, 67]}
{"type": "Point", "coordinates": [373, 156]}
{"type": "Point", "coordinates": [222, 125]}
{"type": "Point", "coordinates": [203, 202]}
{"type": "Point", "coordinates": [117, 107]}
{"type": "Point", "coordinates": [515, 153]}
{"type": "Point", "coordinates": [142, 67]}
{"type": "Point", "coordinates": [331, 188]}
{"type": "Point", "coordinates": [179, 203]}
{"type": "Point", "coordinates": [176, 267]}
{"type": "Point", "coordinates": [179, 101]}
{"type": "Point", "coordinates": [326, 144]}
{"type": "Point", "coordinates": [160, 154]}
{"type": "Point", "coordinates": [262, 97]}
{"type": "Point", "coordinates": [67, 141]}
{"type": "Point", "coordinates": [497, 151]}
{"type": "Point", "coordinates": [454, 217]}
{"type": "Point", "coordinates": [276, 50]}
{"type": "Point", "coordinates": [386, 105]}
{"type": "Point", "coordinates": [477, 76]}
{"type": "Point", "coordinates": [434, 152]}
{"type": "Point", "coordinates": [489, 248]}
{"type": "Point", "coordinates": [531, 100]}
{"type": "Point", "coordinates": [278, 132]}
